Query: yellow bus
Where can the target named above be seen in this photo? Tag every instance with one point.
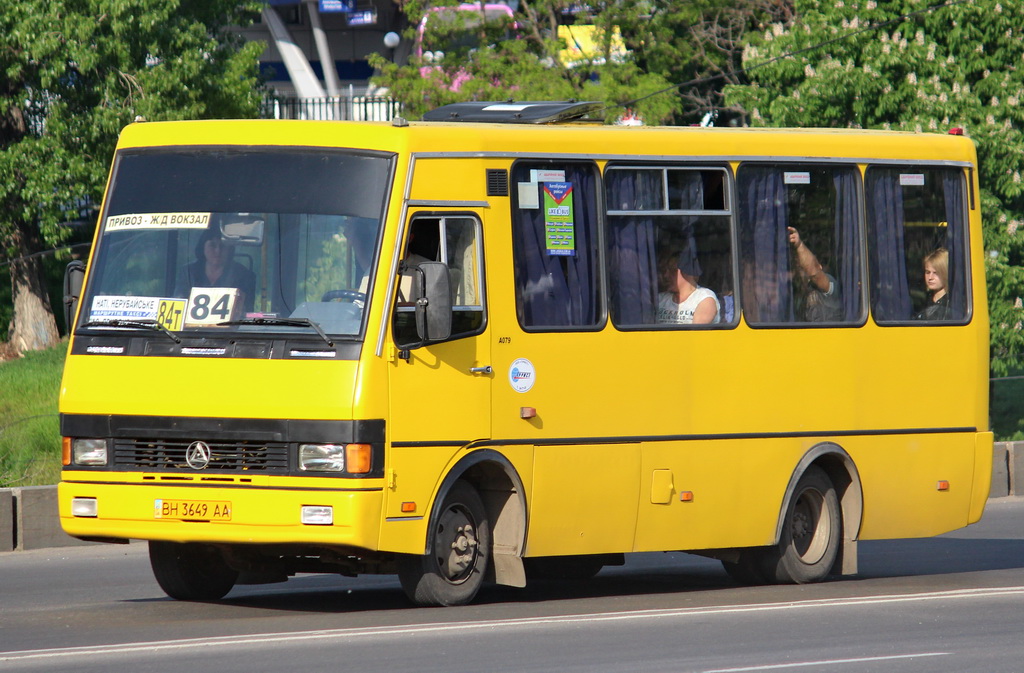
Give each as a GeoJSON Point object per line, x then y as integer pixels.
{"type": "Point", "coordinates": [503, 342]}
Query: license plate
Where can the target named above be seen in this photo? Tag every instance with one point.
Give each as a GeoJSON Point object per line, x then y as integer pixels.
{"type": "Point", "coordinates": [193, 510]}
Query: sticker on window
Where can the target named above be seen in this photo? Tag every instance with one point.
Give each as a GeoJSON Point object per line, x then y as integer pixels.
{"type": "Point", "coordinates": [559, 231]}
{"type": "Point", "coordinates": [105, 308]}
{"type": "Point", "coordinates": [157, 221]}
{"type": "Point", "coordinates": [541, 175]}
{"type": "Point", "coordinates": [208, 306]}
{"type": "Point", "coordinates": [528, 196]}
{"type": "Point", "coordinates": [912, 179]}
{"type": "Point", "coordinates": [165, 311]}
{"type": "Point", "coordinates": [796, 177]}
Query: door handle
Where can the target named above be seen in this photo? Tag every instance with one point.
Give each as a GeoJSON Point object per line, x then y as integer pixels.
{"type": "Point", "coordinates": [481, 370]}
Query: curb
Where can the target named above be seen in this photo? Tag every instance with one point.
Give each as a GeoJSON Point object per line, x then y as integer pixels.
{"type": "Point", "coordinates": [29, 517]}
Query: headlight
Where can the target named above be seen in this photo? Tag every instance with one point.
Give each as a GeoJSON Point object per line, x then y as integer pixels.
{"type": "Point", "coordinates": [89, 452]}
{"type": "Point", "coordinates": [322, 457]}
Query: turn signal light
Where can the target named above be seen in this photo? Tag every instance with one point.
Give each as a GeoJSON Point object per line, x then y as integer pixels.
{"type": "Point", "coordinates": [358, 458]}
{"type": "Point", "coordinates": [943, 485]}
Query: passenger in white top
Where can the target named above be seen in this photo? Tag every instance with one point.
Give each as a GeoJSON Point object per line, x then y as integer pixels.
{"type": "Point", "coordinates": [685, 302]}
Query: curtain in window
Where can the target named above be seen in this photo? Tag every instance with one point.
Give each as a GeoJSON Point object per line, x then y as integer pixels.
{"type": "Point", "coordinates": [764, 215]}
{"type": "Point", "coordinates": [553, 290]}
{"type": "Point", "coordinates": [847, 228]}
{"type": "Point", "coordinates": [953, 191]}
{"type": "Point", "coordinates": [890, 292]}
{"type": "Point", "coordinates": [633, 272]}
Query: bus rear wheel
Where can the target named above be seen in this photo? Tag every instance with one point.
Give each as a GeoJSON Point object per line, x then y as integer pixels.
{"type": "Point", "coordinates": [811, 532]}
{"type": "Point", "coordinates": [809, 543]}
{"type": "Point", "coordinates": [460, 551]}
{"type": "Point", "coordinates": [190, 571]}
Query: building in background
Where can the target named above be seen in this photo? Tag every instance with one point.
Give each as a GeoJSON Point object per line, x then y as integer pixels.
{"type": "Point", "coordinates": [304, 35]}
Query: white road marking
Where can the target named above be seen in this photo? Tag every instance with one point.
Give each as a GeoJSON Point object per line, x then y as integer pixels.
{"type": "Point", "coordinates": [416, 629]}
{"type": "Point", "coordinates": [825, 662]}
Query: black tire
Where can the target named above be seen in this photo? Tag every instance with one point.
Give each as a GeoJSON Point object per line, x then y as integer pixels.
{"type": "Point", "coordinates": [190, 571]}
{"type": "Point", "coordinates": [460, 553]}
{"type": "Point", "coordinates": [811, 532]}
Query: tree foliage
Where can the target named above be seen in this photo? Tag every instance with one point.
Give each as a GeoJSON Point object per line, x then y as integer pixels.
{"type": "Point", "coordinates": [494, 58]}
{"type": "Point", "coordinates": [910, 66]}
{"type": "Point", "coordinates": [640, 48]}
{"type": "Point", "coordinates": [74, 72]}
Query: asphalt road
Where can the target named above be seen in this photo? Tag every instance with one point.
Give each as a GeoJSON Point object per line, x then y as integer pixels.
{"type": "Point", "coordinates": [953, 603]}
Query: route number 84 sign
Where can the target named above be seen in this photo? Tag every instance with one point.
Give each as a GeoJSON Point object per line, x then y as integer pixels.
{"type": "Point", "coordinates": [210, 305]}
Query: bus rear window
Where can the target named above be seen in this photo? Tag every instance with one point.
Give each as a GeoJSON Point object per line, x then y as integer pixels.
{"type": "Point", "coordinates": [917, 219]}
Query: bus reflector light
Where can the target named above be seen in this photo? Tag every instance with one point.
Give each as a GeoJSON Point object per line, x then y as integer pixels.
{"type": "Point", "coordinates": [357, 456]}
{"type": "Point", "coordinates": [317, 515]}
{"type": "Point", "coordinates": [943, 485]}
{"type": "Point", "coordinates": [527, 412]}
{"type": "Point", "coordinates": [408, 507]}
{"type": "Point", "coordinates": [83, 507]}
{"type": "Point", "coordinates": [686, 496]}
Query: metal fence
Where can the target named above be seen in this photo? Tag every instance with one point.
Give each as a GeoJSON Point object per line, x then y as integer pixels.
{"type": "Point", "coordinates": [359, 108]}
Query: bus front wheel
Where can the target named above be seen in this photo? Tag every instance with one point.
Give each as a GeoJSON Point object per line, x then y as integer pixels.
{"type": "Point", "coordinates": [191, 572]}
{"type": "Point", "coordinates": [451, 574]}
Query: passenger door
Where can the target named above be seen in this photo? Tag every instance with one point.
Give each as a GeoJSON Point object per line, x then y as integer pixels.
{"type": "Point", "coordinates": [440, 393]}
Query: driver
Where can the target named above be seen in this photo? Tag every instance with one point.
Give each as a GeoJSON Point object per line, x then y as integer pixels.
{"type": "Point", "coordinates": [215, 267]}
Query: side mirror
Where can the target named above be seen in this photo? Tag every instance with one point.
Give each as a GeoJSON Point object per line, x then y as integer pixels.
{"type": "Point", "coordinates": [74, 276]}
{"type": "Point", "coordinates": [433, 301]}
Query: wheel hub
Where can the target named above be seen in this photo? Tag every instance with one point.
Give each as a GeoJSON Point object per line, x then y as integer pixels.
{"type": "Point", "coordinates": [457, 546]}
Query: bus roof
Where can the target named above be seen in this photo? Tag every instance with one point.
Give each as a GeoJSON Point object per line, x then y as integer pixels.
{"type": "Point", "coordinates": [580, 140]}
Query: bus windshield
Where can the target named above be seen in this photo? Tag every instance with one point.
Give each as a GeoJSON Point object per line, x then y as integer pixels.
{"type": "Point", "coordinates": [247, 241]}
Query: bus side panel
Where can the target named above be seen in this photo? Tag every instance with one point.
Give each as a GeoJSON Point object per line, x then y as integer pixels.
{"type": "Point", "coordinates": [900, 476]}
{"type": "Point", "coordinates": [416, 477]}
{"type": "Point", "coordinates": [737, 489]}
{"type": "Point", "coordinates": [584, 499]}
{"type": "Point", "coordinates": [982, 475]}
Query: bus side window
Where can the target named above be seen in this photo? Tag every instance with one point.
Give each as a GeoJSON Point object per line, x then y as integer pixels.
{"type": "Point", "coordinates": [800, 244]}
{"type": "Point", "coordinates": [555, 238]}
{"type": "Point", "coordinates": [662, 219]}
{"type": "Point", "coordinates": [917, 222]}
{"type": "Point", "coordinates": [456, 241]}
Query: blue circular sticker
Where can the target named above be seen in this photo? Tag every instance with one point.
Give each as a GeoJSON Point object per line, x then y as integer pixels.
{"type": "Point", "coordinates": [521, 375]}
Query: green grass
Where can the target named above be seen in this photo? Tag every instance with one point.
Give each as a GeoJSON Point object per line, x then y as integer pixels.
{"type": "Point", "coordinates": [29, 427]}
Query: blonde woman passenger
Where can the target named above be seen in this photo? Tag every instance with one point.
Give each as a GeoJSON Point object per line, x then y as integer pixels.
{"type": "Point", "coordinates": [936, 279]}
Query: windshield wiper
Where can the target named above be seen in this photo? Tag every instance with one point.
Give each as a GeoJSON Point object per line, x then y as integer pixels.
{"type": "Point", "coordinates": [134, 324]}
{"type": "Point", "coordinates": [291, 322]}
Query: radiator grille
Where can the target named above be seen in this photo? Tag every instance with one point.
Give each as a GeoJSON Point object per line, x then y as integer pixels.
{"type": "Point", "coordinates": [230, 456]}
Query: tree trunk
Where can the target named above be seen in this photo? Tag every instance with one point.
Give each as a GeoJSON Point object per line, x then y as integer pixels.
{"type": "Point", "coordinates": [33, 326]}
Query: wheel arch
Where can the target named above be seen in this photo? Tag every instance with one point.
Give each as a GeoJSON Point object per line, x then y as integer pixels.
{"type": "Point", "coordinates": [500, 488]}
{"type": "Point", "coordinates": [843, 473]}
